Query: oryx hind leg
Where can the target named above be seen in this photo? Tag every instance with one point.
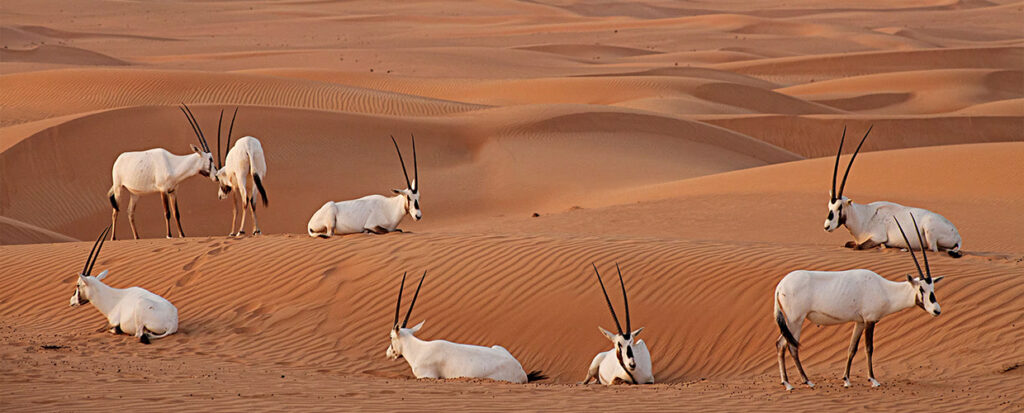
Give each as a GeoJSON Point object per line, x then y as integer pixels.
{"type": "Point", "coordinates": [794, 328]}
{"type": "Point", "coordinates": [780, 347]}
{"type": "Point", "coordinates": [167, 211]}
{"type": "Point", "coordinates": [255, 223]}
{"type": "Point", "coordinates": [132, 203]}
{"type": "Point", "coordinates": [869, 344]}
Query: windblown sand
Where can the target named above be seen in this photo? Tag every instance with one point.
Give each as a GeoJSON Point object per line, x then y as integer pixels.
{"type": "Point", "coordinates": [691, 142]}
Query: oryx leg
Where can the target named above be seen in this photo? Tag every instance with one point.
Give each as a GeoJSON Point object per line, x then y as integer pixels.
{"type": "Point", "coordinates": [869, 343]}
{"type": "Point", "coordinates": [234, 213]}
{"type": "Point", "coordinates": [795, 352]}
{"type": "Point", "coordinates": [177, 214]}
{"type": "Point", "coordinates": [854, 341]}
{"type": "Point", "coordinates": [113, 215]}
{"type": "Point", "coordinates": [244, 195]}
{"type": "Point", "coordinates": [255, 224]}
{"type": "Point", "coordinates": [116, 330]}
{"type": "Point", "coordinates": [379, 230]}
{"type": "Point", "coordinates": [167, 211]}
{"type": "Point", "coordinates": [780, 346]}
{"type": "Point", "coordinates": [132, 202]}
{"type": "Point", "coordinates": [866, 245]}
{"type": "Point", "coordinates": [592, 371]}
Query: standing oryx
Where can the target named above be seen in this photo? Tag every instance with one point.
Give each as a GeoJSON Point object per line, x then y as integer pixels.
{"type": "Point", "coordinates": [132, 310]}
{"type": "Point", "coordinates": [244, 167]}
{"type": "Point", "coordinates": [158, 170]}
{"type": "Point", "coordinates": [838, 297]}
{"type": "Point", "coordinates": [627, 362]}
{"type": "Point", "coordinates": [871, 224]}
{"type": "Point", "coordinates": [372, 213]}
{"type": "Point", "coordinates": [440, 359]}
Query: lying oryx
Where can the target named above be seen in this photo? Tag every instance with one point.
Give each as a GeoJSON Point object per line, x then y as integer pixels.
{"type": "Point", "coordinates": [244, 167]}
{"type": "Point", "coordinates": [158, 170]}
{"type": "Point", "coordinates": [837, 297]}
{"type": "Point", "coordinates": [440, 359]}
{"type": "Point", "coordinates": [627, 362]}
{"type": "Point", "coordinates": [372, 213]}
{"type": "Point", "coordinates": [132, 310]}
{"type": "Point", "coordinates": [871, 224]}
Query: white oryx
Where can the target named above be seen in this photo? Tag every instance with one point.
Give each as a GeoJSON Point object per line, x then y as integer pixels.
{"type": "Point", "coordinates": [133, 311]}
{"type": "Point", "coordinates": [836, 297]}
{"type": "Point", "coordinates": [871, 224]}
{"type": "Point", "coordinates": [158, 170]}
{"type": "Point", "coordinates": [628, 362]}
{"type": "Point", "coordinates": [244, 168]}
{"type": "Point", "coordinates": [440, 359]}
{"type": "Point", "coordinates": [376, 214]}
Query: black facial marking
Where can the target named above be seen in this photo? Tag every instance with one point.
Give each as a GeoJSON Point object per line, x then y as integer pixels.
{"type": "Point", "coordinates": [830, 215]}
{"type": "Point", "coordinates": [417, 203]}
{"type": "Point", "coordinates": [931, 297]}
{"type": "Point", "coordinates": [629, 352]}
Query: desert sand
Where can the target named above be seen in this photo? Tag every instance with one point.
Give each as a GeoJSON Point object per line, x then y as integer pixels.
{"type": "Point", "coordinates": [692, 142]}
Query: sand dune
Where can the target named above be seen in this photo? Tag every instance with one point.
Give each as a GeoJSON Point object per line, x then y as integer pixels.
{"type": "Point", "coordinates": [691, 142]}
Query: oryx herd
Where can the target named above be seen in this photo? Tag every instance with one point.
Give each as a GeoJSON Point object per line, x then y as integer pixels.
{"type": "Point", "coordinates": [859, 296]}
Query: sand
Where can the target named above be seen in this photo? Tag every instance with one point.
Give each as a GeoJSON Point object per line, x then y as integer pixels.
{"type": "Point", "coordinates": [691, 142]}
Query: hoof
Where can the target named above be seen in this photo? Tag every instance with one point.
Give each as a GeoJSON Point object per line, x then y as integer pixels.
{"type": "Point", "coordinates": [846, 383]}
{"type": "Point", "coordinates": [955, 254]}
{"type": "Point", "coordinates": [874, 383]}
{"type": "Point", "coordinates": [809, 384]}
{"type": "Point", "coordinates": [144, 339]}
{"type": "Point", "coordinates": [789, 387]}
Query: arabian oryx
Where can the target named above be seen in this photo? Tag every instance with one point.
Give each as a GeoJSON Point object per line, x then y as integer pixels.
{"type": "Point", "coordinates": [628, 362]}
{"type": "Point", "coordinates": [871, 224]}
{"type": "Point", "coordinates": [244, 168]}
{"type": "Point", "coordinates": [158, 170]}
{"type": "Point", "coordinates": [132, 310]}
{"type": "Point", "coordinates": [440, 359]}
{"type": "Point", "coordinates": [837, 297]}
{"type": "Point", "coordinates": [376, 214]}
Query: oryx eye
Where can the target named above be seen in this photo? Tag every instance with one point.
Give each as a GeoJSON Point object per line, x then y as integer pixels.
{"type": "Point", "coordinates": [629, 352]}
{"type": "Point", "coordinates": [830, 215]}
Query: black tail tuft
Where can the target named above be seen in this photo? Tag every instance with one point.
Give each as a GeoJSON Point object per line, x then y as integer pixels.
{"type": "Point", "coordinates": [781, 320]}
{"type": "Point", "coordinates": [113, 202]}
{"type": "Point", "coordinates": [144, 339]}
{"type": "Point", "coordinates": [955, 254]}
{"type": "Point", "coordinates": [259, 186]}
{"type": "Point", "coordinates": [535, 376]}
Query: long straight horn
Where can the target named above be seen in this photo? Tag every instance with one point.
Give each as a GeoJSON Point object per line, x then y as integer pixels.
{"type": "Point", "coordinates": [847, 173]}
{"type": "Point", "coordinates": [196, 128]}
{"type": "Point", "coordinates": [413, 304]}
{"type": "Point", "coordinates": [407, 183]}
{"type": "Point", "coordinates": [615, 317]}
{"type": "Point", "coordinates": [398, 307]}
{"type": "Point", "coordinates": [415, 167]}
{"type": "Point", "coordinates": [220, 121]}
{"type": "Point", "coordinates": [231, 128]}
{"type": "Point", "coordinates": [99, 247]}
{"type": "Point", "coordinates": [909, 249]}
{"type": "Point", "coordinates": [625, 301]}
{"type": "Point", "coordinates": [924, 255]}
{"type": "Point", "coordinates": [88, 260]}
{"type": "Point", "coordinates": [835, 169]}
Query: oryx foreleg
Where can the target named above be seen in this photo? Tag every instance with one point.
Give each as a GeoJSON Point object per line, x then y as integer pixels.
{"type": "Point", "coordinates": [854, 341]}
{"type": "Point", "coordinates": [177, 214]}
{"type": "Point", "coordinates": [869, 343]}
{"type": "Point", "coordinates": [167, 211]}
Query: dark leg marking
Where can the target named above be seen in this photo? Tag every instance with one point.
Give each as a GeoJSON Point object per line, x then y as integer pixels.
{"type": "Point", "coordinates": [869, 343]}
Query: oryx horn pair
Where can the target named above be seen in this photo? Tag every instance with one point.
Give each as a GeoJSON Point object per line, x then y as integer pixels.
{"type": "Point", "coordinates": [398, 307]}
{"type": "Point", "coordinates": [96, 247]}
{"type": "Point", "coordinates": [835, 170]}
{"type": "Point", "coordinates": [202, 138]}
{"type": "Point", "coordinates": [926, 275]}
{"type": "Point", "coordinates": [625, 302]}
{"type": "Point", "coordinates": [415, 168]}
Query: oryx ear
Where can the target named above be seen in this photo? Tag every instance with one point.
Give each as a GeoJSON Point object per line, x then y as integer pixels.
{"type": "Point", "coordinates": [81, 277]}
{"type": "Point", "coordinates": [195, 149]}
{"type": "Point", "coordinates": [102, 275]}
{"type": "Point", "coordinates": [414, 186]}
{"type": "Point", "coordinates": [910, 279]}
{"type": "Point", "coordinates": [937, 279]}
{"type": "Point", "coordinates": [397, 191]}
{"type": "Point", "coordinates": [607, 333]}
{"type": "Point", "coordinates": [416, 328]}
{"type": "Point", "coordinates": [636, 332]}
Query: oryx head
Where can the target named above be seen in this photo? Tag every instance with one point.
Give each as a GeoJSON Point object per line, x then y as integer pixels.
{"type": "Point", "coordinates": [208, 169]}
{"type": "Point", "coordinates": [398, 330]}
{"type": "Point", "coordinates": [222, 174]}
{"type": "Point", "coordinates": [86, 283]}
{"type": "Point", "coordinates": [412, 189]}
{"type": "Point", "coordinates": [838, 204]}
{"type": "Point", "coordinates": [924, 283]}
{"type": "Point", "coordinates": [624, 339]}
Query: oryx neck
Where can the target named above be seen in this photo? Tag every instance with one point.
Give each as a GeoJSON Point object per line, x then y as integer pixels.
{"type": "Point", "coordinates": [856, 215]}
{"type": "Point", "coordinates": [186, 165]}
{"type": "Point", "coordinates": [412, 347]}
{"type": "Point", "coordinates": [104, 297]}
{"type": "Point", "coordinates": [901, 295]}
